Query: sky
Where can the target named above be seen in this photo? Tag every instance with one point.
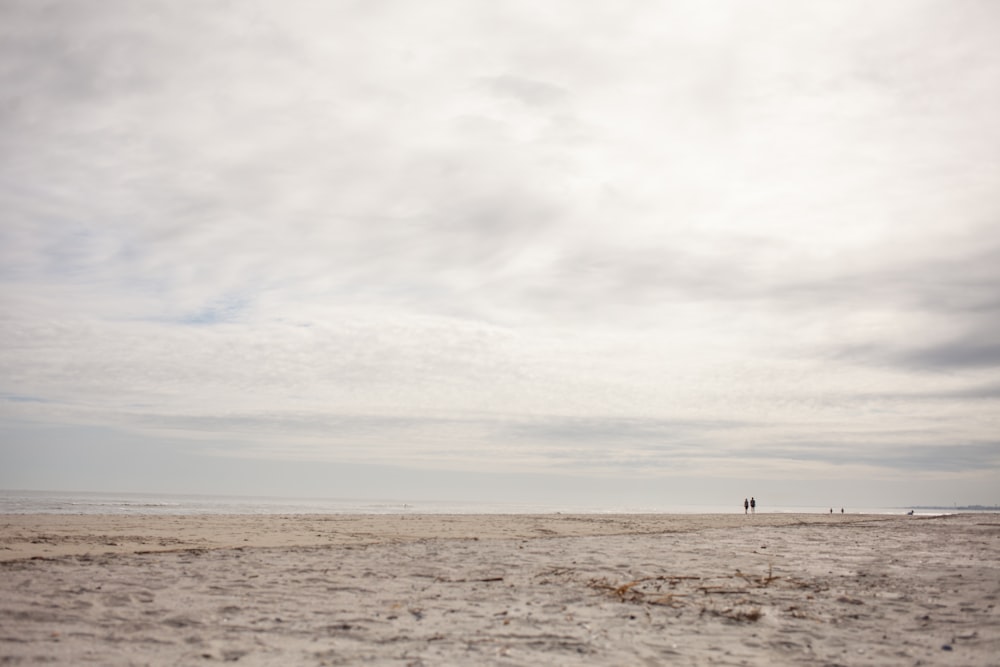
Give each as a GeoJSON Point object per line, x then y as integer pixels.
{"type": "Point", "coordinates": [607, 254]}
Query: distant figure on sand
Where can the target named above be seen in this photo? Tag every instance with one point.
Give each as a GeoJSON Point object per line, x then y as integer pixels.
{"type": "Point", "coordinates": [746, 506]}
{"type": "Point", "coordinates": [753, 505]}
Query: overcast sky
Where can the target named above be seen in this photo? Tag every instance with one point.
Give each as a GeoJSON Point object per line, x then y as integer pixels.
{"type": "Point", "coordinates": [636, 252]}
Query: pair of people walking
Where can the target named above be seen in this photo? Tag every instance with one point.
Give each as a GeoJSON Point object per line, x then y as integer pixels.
{"type": "Point", "coordinates": [749, 506]}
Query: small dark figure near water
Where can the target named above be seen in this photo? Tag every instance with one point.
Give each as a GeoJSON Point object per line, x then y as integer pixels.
{"type": "Point", "coordinates": [746, 505]}
{"type": "Point", "coordinates": [753, 506]}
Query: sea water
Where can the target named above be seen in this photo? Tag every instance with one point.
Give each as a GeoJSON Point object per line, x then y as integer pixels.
{"type": "Point", "coordinates": [61, 502]}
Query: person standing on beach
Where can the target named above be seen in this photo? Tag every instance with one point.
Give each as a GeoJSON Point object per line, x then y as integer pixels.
{"type": "Point", "coordinates": [746, 505]}
{"type": "Point", "coordinates": [753, 505]}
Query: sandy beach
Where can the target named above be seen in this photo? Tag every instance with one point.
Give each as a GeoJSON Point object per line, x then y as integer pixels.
{"type": "Point", "coordinates": [500, 589]}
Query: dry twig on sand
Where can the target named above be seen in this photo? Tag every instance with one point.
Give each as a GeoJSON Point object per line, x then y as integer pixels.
{"type": "Point", "coordinates": [649, 590]}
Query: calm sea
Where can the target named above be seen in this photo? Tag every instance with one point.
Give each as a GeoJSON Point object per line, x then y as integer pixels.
{"type": "Point", "coordinates": [54, 502]}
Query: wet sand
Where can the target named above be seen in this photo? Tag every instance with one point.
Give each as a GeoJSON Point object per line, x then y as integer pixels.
{"type": "Point", "coordinates": [500, 589]}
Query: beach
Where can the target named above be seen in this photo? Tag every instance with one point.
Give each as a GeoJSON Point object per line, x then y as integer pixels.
{"type": "Point", "coordinates": [553, 589]}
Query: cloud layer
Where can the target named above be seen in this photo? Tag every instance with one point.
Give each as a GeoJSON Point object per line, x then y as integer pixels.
{"type": "Point", "coordinates": [654, 239]}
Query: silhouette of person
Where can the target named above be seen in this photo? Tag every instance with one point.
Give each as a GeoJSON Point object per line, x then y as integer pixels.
{"type": "Point", "coordinates": [753, 505]}
{"type": "Point", "coordinates": [746, 505]}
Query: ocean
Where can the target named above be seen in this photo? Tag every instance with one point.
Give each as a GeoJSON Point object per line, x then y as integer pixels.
{"type": "Point", "coordinates": [59, 502]}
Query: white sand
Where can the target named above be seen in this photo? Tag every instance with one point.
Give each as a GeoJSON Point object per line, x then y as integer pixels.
{"type": "Point", "coordinates": [503, 590]}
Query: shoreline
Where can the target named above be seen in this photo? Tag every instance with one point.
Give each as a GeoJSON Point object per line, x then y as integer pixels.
{"type": "Point", "coordinates": [148, 503]}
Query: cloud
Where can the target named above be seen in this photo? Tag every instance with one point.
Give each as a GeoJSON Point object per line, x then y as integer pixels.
{"type": "Point", "coordinates": [526, 91]}
{"type": "Point", "coordinates": [936, 458]}
{"type": "Point", "coordinates": [619, 239]}
{"type": "Point", "coordinates": [957, 354]}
